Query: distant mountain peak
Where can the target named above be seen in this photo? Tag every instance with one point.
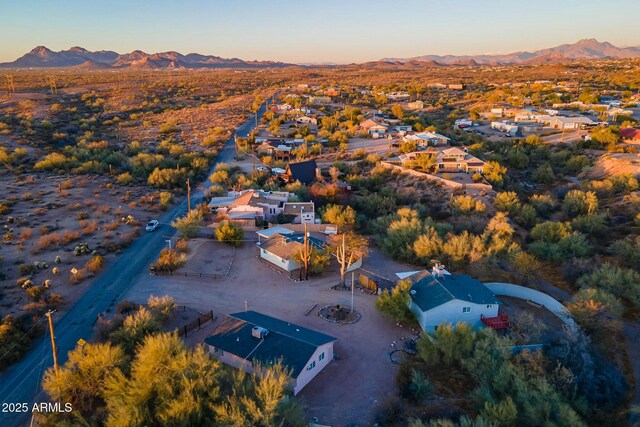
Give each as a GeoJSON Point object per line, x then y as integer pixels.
{"type": "Point", "coordinates": [81, 58]}
{"type": "Point", "coordinates": [588, 48]}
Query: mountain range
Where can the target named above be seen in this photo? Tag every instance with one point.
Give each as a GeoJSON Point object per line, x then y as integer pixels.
{"type": "Point", "coordinates": [583, 49]}
{"type": "Point", "coordinates": [80, 58]}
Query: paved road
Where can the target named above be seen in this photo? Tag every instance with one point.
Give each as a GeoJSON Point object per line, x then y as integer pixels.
{"type": "Point", "coordinates": [21, 382]}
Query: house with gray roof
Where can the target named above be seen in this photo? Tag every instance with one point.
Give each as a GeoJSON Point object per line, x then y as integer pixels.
{"type": "Point", "coordinates": [439, 297]}
{"type": "Point", "coordinates": [246, 339]}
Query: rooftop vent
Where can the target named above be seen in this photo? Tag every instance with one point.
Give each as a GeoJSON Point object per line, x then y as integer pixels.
{"type": "Point", "coordinates": [259, 332]}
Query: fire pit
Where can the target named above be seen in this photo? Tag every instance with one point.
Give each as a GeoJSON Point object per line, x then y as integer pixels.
{"type": "Point", "coordinates": [339, 314]}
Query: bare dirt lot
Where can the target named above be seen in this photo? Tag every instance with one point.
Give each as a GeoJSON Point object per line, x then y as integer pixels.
{"type": "Point", "coordinates": [48, 216]}
{"type": "Point", "coordinates": [349, 390]}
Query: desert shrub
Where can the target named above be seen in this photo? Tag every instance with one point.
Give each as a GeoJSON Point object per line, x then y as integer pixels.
{"type": "Point", "coordinates": [161, 307]}
{"type": "Point", "coordinates": [621, 282]}
{"type": "Point", "coordinates": [189, 225]}
{"type": "Point", "coordinates": [182, 246]}
{"type": "Point", "coordinates": [81, 249]}
{"type": "Point", "coordinates": [164, 199]}
{"type": "Point", "coordinates": [125, 306]}
{"type": "Point", "coordinates": [95, 264]}
{"type": "Point", "coordinates": [169, 260]}
{"type": "Point", "coordinates": [229, 233]}
{"type": "Point", "coordinates": [26, 269]}
{"type": "Point", "coordinates": [394, 303]}
{"type": "Point", "coordinates": [577, 202]}
{"type": "Point", "coordinates": [35, 292]}
{"type": "Point", "coordinates": [135, 328]}
{"type": "Point", "coordinates": [125, 178]}
{"type": "Point", "coordinates": [13, 342]}
{"type": "Point", "coordinates": [79, 275]}
{"type": "Point", "coordinates": [466, 204]}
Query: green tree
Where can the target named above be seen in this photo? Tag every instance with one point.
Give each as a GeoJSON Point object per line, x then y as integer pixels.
{"type": "Point", "coordinates": [169, 260]}
{"type": "Point", "coordinates": [229, 233]}
{"type": "Point", "coordinates": [189, 225]}
{"type": "Point", "coordinates": [82, 379]}
{"type": "Point", "coordinates": [344, 217]}
{"type": "Point", "coordinates": [167, 385]}
{"type": "Point", "coordinates": [395, 303]}
{"type": "Point", "coordinates": [398, 111]}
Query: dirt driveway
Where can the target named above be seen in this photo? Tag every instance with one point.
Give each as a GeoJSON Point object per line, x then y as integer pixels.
{"type": "Point", "coordinates": [347, 391]}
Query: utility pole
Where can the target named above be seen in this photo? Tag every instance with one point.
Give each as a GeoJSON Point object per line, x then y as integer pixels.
{"type": "Point", "coordinates": [353, 273]}
{"type": "Point", "coordinates": [53, 349]}
{"type": "Point", "coordinates": [188, 196]}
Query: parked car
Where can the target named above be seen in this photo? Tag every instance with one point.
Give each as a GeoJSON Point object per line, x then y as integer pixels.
{"type": "Point", "coordinates": [152, 225]}
{"type": "Point", "coordinates": [277, 171]}
{"type": "Point", "coordinates": [262, 168]}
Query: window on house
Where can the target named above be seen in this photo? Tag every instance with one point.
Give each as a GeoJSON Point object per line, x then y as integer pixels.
{"type": "Point", "coordinates": [311, 365]}
{"type": "Point", "coordinates": [489, 305]}
{"type": "Point", "coordinates": [466, 309]}
{"type": "Point", "coordinates": [321, 356]}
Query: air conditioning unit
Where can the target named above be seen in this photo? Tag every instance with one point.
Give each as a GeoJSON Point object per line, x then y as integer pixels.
{"type": "Point", "coordinates": [259, 332]}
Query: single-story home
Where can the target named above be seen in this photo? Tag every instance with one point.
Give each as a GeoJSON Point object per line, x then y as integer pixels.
{"type": "Point", "coordinates": [438, 297]}
{"type": "Point", "coordinates": [248, 338]}
{"type": "Point", "coordinates": [415, 105]}
{"type": "Point", "coordinates": [373, 127]}
{"type": "Point", "coordinates": [427, 138]}
{"type": "Point", "coordinates": [579, 122]}
{"type": "Point", "coordinates": [282, 250]}
{"type": "Point", "coordinates": [305, 120]}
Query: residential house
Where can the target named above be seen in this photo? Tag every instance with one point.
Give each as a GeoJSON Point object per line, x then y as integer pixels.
{"type": "Point", "coordinates": [427, 138]}
{"type": "Point", "coordinates": [306, 172]}
{"type": "Point", "coordinates": [415, 105]}
{"type": "Point", "coordinates": [455, 86]}
{"type": "Point", "coordinates": [510, 128]}
{"type": "Point", "coordinates": [448, 160]}
{"type": "Point", "coordinates": [630, 135]}
{"type": "Point", "coordinates": [436, 85]}
{"type": "Point", "coordinates": [374, 128]}
{"type": "Point", "coordinates": [438, 297]}
{"type": "Point", "coordinates": [579, 122]}
{"type": "Point", "coordinates": [248, 206]}
{"type": "Point", "coordinates": [306, 120]}
{"type": "Point", "coordinates": [303, 212]}
{"type": "Point", "coordinates": [403, 128]}
{"type": "Point", "coordinates": [456, 160]}
{"type": "Point", "coordinates": [247, 339]}
{"type": "Point", "coordinates": [282, 249]}
{"type": "Point", "coordinates": [319, 100]}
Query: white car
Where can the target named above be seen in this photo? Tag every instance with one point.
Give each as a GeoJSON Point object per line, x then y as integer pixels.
{"type": "Point", "coordinates": [277, 171]}
{"type": "Point", "coordinates": [262, 168]}
{"type": "Point", "coordinates": [152, 225]}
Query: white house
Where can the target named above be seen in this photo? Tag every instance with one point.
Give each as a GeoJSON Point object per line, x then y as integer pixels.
{"type": "Point", "coordinates": [580, 122]}
{"type": "Point", "coordinates": [282, 249]}
{"type": "Point", "coordinates": [248, 338]}
{"type": "Point", "coordinates": [251, 205]}
{"type": "Point", "coordinates": [427, 138]}
{"type": "Point", "coordinates": [439, 297]}
{"type": "Point", "coordinates": [306, 120]}
{"type": "Point", "coordinates": [303, 212]}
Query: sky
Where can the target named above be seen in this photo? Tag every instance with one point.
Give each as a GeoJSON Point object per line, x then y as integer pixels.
{"type": "Point", "coordinates": [313, 31]}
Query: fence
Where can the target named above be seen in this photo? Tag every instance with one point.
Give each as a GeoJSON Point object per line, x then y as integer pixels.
{"type": "Point", "coordinates": [429, 177]}
{"type": "Point", "coordinates": [538, 297]}
{"type": "Point", "coordinates": [196, 324]}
